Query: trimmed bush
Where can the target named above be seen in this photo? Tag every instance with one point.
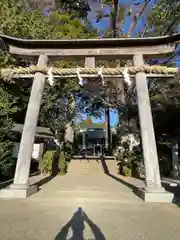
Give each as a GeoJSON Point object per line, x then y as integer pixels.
{"type": "Point", "coordinates": [47, 161]}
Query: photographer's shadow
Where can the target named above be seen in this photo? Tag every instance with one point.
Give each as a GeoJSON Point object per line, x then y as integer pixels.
{"type": "Point", "coordinates": [78, 226]}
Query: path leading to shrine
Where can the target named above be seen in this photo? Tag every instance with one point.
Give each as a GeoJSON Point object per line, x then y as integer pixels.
{"type": "Point", "coordinates": [87, 204]}
{"type": "Point", "coordinates": [86, 183]}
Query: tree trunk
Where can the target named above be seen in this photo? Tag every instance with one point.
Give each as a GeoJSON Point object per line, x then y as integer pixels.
{"type": "Point", "coordinates": [108, 131]}
{"type": "Point", "coordinates": [136, 17]}
{"type": "Point", "coordinates": [114, 17]}
{"type": "Point", "coordinates": [55, 159]}
{"type": "Point", "coordinates": [69, 134]}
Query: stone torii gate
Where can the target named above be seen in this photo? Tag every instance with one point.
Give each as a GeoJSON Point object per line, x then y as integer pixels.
{"type": "Point", "coordinates": [90, 50]}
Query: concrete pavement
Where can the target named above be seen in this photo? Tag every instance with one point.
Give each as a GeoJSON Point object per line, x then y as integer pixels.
{"type": "Point", "coordinates": [87, 205]}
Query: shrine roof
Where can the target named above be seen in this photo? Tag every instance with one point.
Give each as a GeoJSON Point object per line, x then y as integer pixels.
{"type": "Point", "coordinates": [41, 132]}
{"type": "Point", "coordinates": [87, 125]}
{"type": "Point", "coordinates": [88, 43]}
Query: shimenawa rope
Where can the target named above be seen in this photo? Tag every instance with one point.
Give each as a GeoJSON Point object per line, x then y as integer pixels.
{"type": "Point", "coordinates": [73, 71]}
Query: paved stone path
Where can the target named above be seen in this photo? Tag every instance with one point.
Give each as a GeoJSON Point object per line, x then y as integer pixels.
{"type": "Point", "coordinates": [90, 203]}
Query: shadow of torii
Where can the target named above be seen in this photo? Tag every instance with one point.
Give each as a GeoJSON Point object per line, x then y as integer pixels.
{"type": "Point", "coordinates": [78, 226]}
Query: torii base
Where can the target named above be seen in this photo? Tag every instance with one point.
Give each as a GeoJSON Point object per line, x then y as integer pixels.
{"type": "Point", "coordinates": [155, 196]}
{"type": "Point", "coordinates": [20, 193]}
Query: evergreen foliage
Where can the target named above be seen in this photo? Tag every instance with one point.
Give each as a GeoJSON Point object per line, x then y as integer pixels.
{"type": "Point", "coordinates": [20, 20]}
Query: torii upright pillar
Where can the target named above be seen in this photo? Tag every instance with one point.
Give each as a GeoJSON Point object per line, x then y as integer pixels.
{"type": "Point", "coordinates": [153, 191]}
{"type": "Point", "coordinates": [20, 187]}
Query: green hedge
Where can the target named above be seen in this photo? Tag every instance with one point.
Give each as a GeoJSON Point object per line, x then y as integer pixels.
{"type": "Point", "coordinates": [64, 159]}
{"type": "Point", "coordinates": [46, 165]}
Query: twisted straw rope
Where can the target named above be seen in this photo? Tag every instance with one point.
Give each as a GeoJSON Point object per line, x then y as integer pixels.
{"type": "Point", "coordinates": [9, 72]}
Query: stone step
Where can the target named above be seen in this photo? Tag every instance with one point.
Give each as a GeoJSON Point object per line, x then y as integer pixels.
{"type": "Point", "coordinates": [86, 195]}
{"type": "Point", "coordinates": [91, 197]}
{"type": "Point", "coordinates": [91, 166]}
{"type": "Point", "coordinates": [85, 167]}
{"type": "Point", "coordinates": [76, 202]}
{"type": "Point", "coordinates": [87, 171]}
{"type": "Point", "coordinates": [97, 186]}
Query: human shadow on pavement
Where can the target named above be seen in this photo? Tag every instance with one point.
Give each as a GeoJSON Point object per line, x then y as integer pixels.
{"type": "Point", "coordinates": [77, 223]}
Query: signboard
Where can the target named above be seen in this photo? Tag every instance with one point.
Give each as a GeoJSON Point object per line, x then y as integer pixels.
{"type": "Point", "coordinates": [36, 153]}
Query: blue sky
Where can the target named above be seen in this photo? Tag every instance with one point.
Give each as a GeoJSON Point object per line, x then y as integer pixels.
{"type": "Point", "coordinates": [103, 25]}
{"type": "Point", "coordinates": [113, 118]}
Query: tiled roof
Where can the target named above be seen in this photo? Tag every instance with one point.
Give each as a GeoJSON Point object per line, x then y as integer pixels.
{"type": "Point", "coordinates": [41, 132]}
{"type": "Point", "coordinates": [89, 124]}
